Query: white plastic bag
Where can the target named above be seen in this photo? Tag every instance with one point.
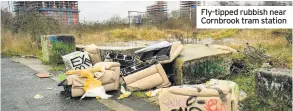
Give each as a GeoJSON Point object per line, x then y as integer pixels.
{"type": "Point", "coordinates": [98, 91]}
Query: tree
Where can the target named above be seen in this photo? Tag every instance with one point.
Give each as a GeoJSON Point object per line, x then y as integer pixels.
{"type": "Point", "coordinates": [116, 22]}
{"type": "Point", "coordinates": [175, 14]}
{"type": "Point", "coordinates": [35, 24]}
{"type": "Point", "coordinates": [6, 19]}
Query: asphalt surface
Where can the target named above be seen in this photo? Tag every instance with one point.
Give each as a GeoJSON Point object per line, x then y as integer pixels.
{"type": "Point", "coordinates": [20, 85]}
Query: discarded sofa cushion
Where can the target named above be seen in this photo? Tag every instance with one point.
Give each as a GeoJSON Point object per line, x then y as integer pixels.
{"type": "Point", "coordinates": [107, 65]}
{"type": "Point", "coordinates": [93, 52]}
{"type": "Point", "coordinates": [153, 76]}
{"type": "Point", "coordinates": [196, 97]}
{"type": "Point", "coordinates": [110, 78]}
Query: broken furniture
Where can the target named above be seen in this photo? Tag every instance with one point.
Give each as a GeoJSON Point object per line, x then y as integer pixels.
{"type": "Point", "coordinates": [55, 46]}
{"type": "Point", "coordinates": [93, 52]}
{"type": "Point", "coordinates": [110, 79]}
{"type": "Point", "coordinates": [125, 50]}
{"type": "Point", "coordinates": [197, 97]}
{"type": "Point", "coordinates": [175, 50]}
{"type": "Point", "coordinates": [123, 59]}
{"type": "Point", "coordinates": [134, 68]}
{"type": "Point", "coordinates": [255, 54]}
{"type": "Point", "coordinates": [147, 78]}
{"type": "Point", "coordinates": [164, 51]}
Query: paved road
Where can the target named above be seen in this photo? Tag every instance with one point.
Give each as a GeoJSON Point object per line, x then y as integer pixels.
{"type": "Point", "coordinates": [20, 85]}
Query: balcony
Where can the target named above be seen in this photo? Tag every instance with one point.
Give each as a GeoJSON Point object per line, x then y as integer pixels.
{"type": "Point", "coordinates": [59, 9]}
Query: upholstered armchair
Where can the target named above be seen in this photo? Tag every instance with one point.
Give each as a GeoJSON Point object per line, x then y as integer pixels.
{"type": "Point", "coordinates": [94, 53]}
{"type": "Point", "coordinates": [110, 79]}
{"type": "Point", "coordinates": [176, 49]}
{"type": "Point", "coordinates": [147, 78]}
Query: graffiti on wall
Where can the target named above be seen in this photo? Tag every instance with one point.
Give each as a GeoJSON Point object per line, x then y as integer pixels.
{"type": "Point", "coordinates": [270, 84]}
{"type": "Point", "coordinates": [77, 60]}
{"type": "Point", "coordinates": [175, 102]}
{"type": "Point", "coordinates": [196, 71]}
{"type": "Point", "coordinates": [274, 87]}
{"type": "Point", "coordinates": [55, 46]}
{"type": "Point", "coordinates": [212, 105]}
{"type": "Point", "coordinates": [207, 67]}
{"type": "Point", "coordinates": [188, 105]}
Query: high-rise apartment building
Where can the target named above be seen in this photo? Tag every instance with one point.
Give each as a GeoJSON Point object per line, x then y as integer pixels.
{"type": "Point", "coordinates": [64, 11]}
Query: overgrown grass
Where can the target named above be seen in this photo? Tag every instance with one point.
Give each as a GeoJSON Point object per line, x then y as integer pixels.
{"type": "Point", "coordinates": [18, 44]}
{"type": "Point", "coordinates": [271, 41]}
{"type": "Point", "coordinates": [126, 34]}
{"type": "Point", "coordinates": [217, 34]}
{"type": "Point", "coordinates": [246, 82]}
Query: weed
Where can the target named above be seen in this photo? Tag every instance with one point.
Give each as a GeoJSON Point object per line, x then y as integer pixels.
{"type": "Point", "coordinates": [18, 44]}
{"type": "Point", "coordinates": [274, 45]}
{"type": "Point", "coordinates": [61, 76]}
{"type": "Point", "coordinates": [140, 94]}
{"type": "Point", "coordinates": [57, 68]}
{"type": "Point", "coordinates": [246, 82]}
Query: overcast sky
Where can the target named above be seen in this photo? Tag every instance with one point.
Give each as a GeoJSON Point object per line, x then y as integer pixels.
{"type": "Point", "coordinates": [103, 10]}
{"type": "Point", "coordinates": [100, 10]}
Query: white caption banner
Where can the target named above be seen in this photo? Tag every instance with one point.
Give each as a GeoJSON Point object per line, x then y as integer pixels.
{"type": "Point", "coordinates": [244, 17]}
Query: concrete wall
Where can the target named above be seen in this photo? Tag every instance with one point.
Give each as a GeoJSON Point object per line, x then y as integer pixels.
{"type": "Point", "coordinates": [199, 63]}
{"type": "Point", "coordinates": [274, 87]}
{"type": "Point", "coordinates": [55, 46]}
